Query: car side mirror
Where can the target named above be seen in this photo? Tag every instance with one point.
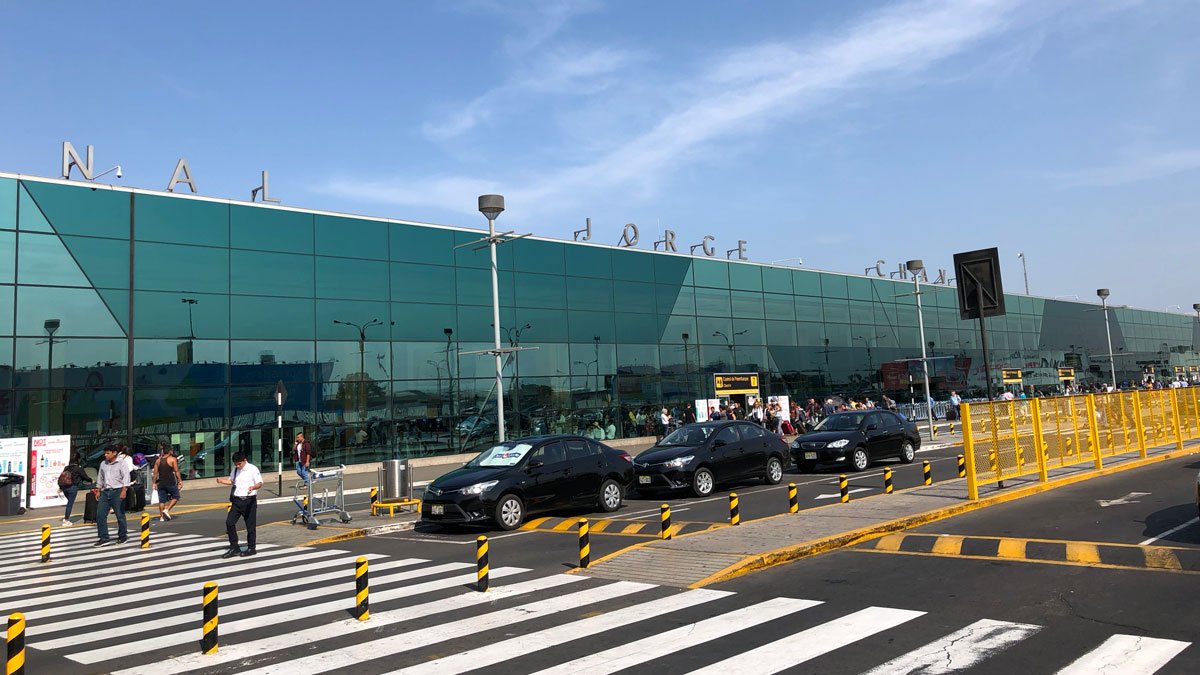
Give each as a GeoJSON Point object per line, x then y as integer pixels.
{"type": "Point", "coordinates": [534, 464]}
{"type": "Point", "coordinates": [872, 427]}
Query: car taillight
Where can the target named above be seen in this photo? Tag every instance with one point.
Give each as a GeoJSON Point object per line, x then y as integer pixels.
{"type": "Point", "coordinates": [625, 456]}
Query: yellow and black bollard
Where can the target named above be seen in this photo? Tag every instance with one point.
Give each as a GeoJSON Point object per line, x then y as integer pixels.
{"type": "Point", "coordinates": [374, 495]}
{"type": "Point", "coordinates": [887, 480]}
{"type": "Point", "coordinates": [928, 472]}
{"type": "Point", "coordinates": [665, 514]}
{"type": "Point", "coordinates": [585, 549]}
{"type": "Point", "coordinates": [481, 563]}
{"type": "Point", "coordinates": [145, 530]}
{"type": "Point", "coordinates": [208, 630]}
{"type": "Point", "coordinates": [793, 502]}
{"type": "Point", "coordinates": [844, 487]}
{"type": "Point", "coordinates": [951, 429]}
{"type": "Point", "coordinates": [935, 429]}
{"type": "Point", "coordinates": [962, 466]}
{"type": "Point", "coordinates": [45, 543]}
{"type": "Point", "coordinates": [16, 644]}
{"type": "Point", "coordinates": [734, 518]}
{"type": "Point", "coordinates": [362, 605]}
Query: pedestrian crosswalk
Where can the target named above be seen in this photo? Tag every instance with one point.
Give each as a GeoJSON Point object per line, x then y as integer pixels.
{"type": "Point", "coordinates": [129, 611]}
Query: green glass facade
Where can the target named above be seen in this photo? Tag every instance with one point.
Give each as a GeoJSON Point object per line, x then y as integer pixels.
{"type": "Point", "coordinates": [179, 317]}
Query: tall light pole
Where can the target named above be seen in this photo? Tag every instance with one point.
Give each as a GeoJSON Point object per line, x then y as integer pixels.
{"type": "Point", "coordinates": [449, 332]}
{"type": "Point", "coordinates": [1025, 270]}
{"type": "Point", "coordinates": [687, 384]}
{"type": "Point", "coordinates": [190, 302]}
{"type": "Point", "coordinates": [514, 340]}
{"type": "Point", "coordinates": [362, 368]}
{"type": "Point", "coordinates": [1112, 359]}
{"type": "Point", "coordinates": [731, 342]}
{"type": "Point", "coordinates": [914, 266]}
{"type": "Point", "coordinates": [51, 326]}
{"type": "Point", "coordinates": [491, 206]}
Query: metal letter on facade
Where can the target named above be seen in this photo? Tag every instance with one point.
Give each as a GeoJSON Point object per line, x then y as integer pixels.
{"type": "Point", "coordinates": [628, 239]}
{"type": "Point", "coordinates": [878, 268]}
{"type": "Point", "coordinates": [708, 250]}
{"type": "Point", "coordinates": [71, 158]}
{"type": "Point", "coordinates": [264, 189]}
{"type": "Point", "coordinates": [668, 241]}
{"type": "Point", "coordinates": [900, 273]}
{"type": "Point", "coordinates": [182, 174]}
{"type": "Point", "coordinates": [941, 277]}
{"type": "Point", "coordinates": [586, 232]}
{"type": "Point", "coordinates": [741, 250]}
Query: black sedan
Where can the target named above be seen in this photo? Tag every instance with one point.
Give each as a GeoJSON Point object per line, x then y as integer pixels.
{"type": "Point", "coordinates": [510, 480]}
{"type": "Point", "coordinates": [698, 456]}
{"type": "Point", "coordinates": [857, 438]}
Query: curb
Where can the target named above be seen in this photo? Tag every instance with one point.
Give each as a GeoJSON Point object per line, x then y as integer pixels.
{"type": "Point", "coordinates": [364, 532]}
{"type": "Point", "coordinates": [813, 547]}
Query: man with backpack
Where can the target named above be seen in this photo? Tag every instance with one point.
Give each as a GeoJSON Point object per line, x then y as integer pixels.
{"type": "Point", "coordinates": [167, 480]}
{"type": "Point", "coordinates": [69, 481]}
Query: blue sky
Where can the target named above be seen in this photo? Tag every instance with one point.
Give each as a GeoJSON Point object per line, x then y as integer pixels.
{"type": "Point", "coordinates": [840, 132]}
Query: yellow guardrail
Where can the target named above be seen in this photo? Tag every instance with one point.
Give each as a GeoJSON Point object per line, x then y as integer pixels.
{"type": "Point", "coordinates": [1007, 439]}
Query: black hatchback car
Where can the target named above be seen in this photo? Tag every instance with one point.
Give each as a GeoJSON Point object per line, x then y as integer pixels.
{"type": "Point", "coordinates": [510, 480]}
{"type": "Point", "coordinates": [857, 438]}
{"type": "Point", "coordinates": [698, 456]}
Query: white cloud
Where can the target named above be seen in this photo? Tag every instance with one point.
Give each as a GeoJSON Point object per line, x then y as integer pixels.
{"type": "Point", "coordinates": [1148, 166]}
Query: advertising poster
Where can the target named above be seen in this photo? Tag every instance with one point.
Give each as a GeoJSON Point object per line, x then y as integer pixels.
{"type": "Point", "coordinates": [703, 405]}
{"type": "Point", "coordinates": [50, 455]}
{"type": "Point", "coordinates": [13, 456]}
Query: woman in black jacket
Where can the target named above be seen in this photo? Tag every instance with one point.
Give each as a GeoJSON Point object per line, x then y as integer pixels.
{"type": "Point", "coordinates": [69, 482]}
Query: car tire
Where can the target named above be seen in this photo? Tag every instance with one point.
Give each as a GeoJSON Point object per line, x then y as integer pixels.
{"type": "Point", "coordinates": [907, 452]}
{"type": "Point", "coordinates": [774, 472]}
{"type": "Point", "coordinates": [510, 512]}
{"type": "Point", "coordinates": [703, 482]}
{"type": "Point", "coordinates": [859, 459]}
{"type": "Point", "coordinates": [610, 496]}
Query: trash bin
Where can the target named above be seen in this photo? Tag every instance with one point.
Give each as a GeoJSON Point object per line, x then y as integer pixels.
{"type": "Point", "coordinates": [12, 494]}
{"type": "Point", "coordinates": [395, 481]}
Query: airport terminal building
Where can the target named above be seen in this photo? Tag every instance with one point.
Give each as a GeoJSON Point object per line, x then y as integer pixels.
{"type": "Point", "coordinates": [146, 316]}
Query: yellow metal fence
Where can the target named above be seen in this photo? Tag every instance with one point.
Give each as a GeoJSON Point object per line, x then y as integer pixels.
{"type": "Point", "coordinates": [1006, 439]}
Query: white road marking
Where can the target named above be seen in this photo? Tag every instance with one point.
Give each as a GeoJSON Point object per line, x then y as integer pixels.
{"type": "Point", "coordinates": [1130, 498]}
{"type": "Point", "coordinates": [399, 643]}
{"type": "Point", "coordinates": [959, 650]}
{"type": "Point", "coordinates": [428, 538]}
{"type": "Point", "coordinates": [1170, 532]}
{"type": "Point", "coordinates": [655, 646]}
{"type": "Point", "coordinates": [1126, 655]}
{"type": "Point", "coordinates": [849, 492]}
{"type": "Point", "coordinates": [659, 513]}
{"type": "Point", "coordinates": [809, 644]}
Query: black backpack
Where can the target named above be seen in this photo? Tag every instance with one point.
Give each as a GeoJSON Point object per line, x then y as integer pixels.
{"type": "Point", "coordinates": [65, 479]}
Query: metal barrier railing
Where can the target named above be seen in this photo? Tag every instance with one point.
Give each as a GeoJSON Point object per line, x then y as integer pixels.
{"type": "Point", "coordinates": [1007, 439]}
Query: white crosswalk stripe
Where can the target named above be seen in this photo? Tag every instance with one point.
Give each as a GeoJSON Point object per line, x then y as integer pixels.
{"type": "Point", "coordinates": [520, 625]}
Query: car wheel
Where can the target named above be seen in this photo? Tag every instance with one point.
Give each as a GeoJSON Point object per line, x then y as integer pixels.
{"type": "Point", "coordinates": [610, 496]}
{"type": "Point", "coordinates": [774, 472]}
{"type": "Point", "coordinates": [860, 460]}
{"type": "Point", "coordinates": [510, 512]}
{"type": "Point", "coordinates": [703, 482]}
{"type": "Point", "coordinates": [907, 453]}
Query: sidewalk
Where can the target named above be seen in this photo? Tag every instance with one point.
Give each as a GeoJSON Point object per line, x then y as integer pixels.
{"type": "Point", "coordinates": [717, 555]}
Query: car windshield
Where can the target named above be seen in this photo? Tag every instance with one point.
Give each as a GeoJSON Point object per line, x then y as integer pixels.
{"type": "Point", "coordinates": [505, 454]}
{"type": "Point", "coordinates": [691, 435]}
{"type": "Point", "coordinates": [845, 422]}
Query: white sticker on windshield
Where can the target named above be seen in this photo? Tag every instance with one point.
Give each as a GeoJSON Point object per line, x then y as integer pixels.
{"type": "Point", "coordinates": [503, 455]}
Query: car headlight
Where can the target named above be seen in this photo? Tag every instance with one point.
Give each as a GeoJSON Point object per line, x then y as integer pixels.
{"type": "Point", "coordinates": [839, 444]}
{"type": "Point", "coordinates": [479, 488]}
{"type": "Point", "coordinates": [679, 462]}
{"type": "Point", "coordinates": [796, 444]}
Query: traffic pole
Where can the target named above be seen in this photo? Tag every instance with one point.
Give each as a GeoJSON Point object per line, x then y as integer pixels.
{"type": "Point", "coordinates": [208, 629]}
{"type": "Point", "coordinates": [793, 501]}
{"type": "Point", "coordinates": [962, 466]}
{"type": "Point", "coordinates": [362, 604]}
{"type": "Point", "coordinates": [45, 543]}
{"type": "Point", "coordinates": [145, 530]}
{"type": "Point", "coordinates": [481, 563]}
{"type": "Point", "coordinates": [928, 472]}
{"type": "Point", "coordinates": [665, 515]}
{"type": "Point", "coordinates": [844, 487]}
{"type": "Point", "coordinates": [374, 495]}
{"type": "Point", "coordinates": [15, 639]}
{"type": "Point", "coordinates": [887, 480]}
{"type": "Point", "coordinates": [585, 549]}
{"type": "Point", "coordinates": [734, 518]}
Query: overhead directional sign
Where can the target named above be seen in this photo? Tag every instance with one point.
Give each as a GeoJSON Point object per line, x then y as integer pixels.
{"type": "Point", "coordinates": [1011, 376]}
{"type": "Point", "coordinates": [980, 291]}
{"type": "Point", "coordinates": [1066, 374]}
{"type": "Point", "coordinates": [735, 383]}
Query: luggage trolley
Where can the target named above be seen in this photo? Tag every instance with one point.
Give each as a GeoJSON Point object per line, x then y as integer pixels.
{"type": "Point", "coordinates": [326, 499]}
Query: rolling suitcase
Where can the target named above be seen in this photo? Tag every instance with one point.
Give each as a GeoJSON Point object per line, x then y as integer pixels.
{"type": "Point", "coordinates": [135, 499]}
{"type": "Point", "coordinates": [89, 508]}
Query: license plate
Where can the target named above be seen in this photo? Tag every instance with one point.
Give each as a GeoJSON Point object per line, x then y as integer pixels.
{"type": "Point", "coordinates": [810, 455]}
{"type": "Point", "coordinates": [644, 480]}
{"type": "Point", "coordinates": [437, 509]}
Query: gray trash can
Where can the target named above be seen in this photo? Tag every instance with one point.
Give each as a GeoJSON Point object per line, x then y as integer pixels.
{"type": "Point", "coordinates": [395, 481]}
{"type": "Point", "coordinates": [12, 494]}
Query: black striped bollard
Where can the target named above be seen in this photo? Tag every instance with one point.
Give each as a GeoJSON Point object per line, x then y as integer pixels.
{"type": "Point", "coordinates": [844, 487]}
{"type": "Point", "coordinates": [16, 644]}
{"type": "Point", "coordinates": [887, 480]}
{"type": "Point", "coordinates": [145, 530]}
{"type": "Point", "coordinates": [585, 549]}
{"type": "Point", "coordinates": [734, 518]}
{"type": "Point", "coordinates": [362, 605]}
{"type": "Point", "coordinates": [45, 543]}
{"type": "Point", "coordinates": [793, 501]}
{"type": "Point", "coordinates": [935, 430]}
{"type": "Point", "coordinates": [665, 514]}
{"type": "Point", "coordinates": [962, 466]}
{"type": "Point", "coordinates": [928, 472]}
{"type": "Point", "coordinates": [951, 430]}
{"type": "Point", "coordinates": [374, 495]}
{"type": "Point", "coordinates": [481, 563]}
{"type": "Point", "coordinates": [208, 630]}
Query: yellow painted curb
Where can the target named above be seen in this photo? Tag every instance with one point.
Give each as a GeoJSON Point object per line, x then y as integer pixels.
{"type": "Point", "coordinates": [812, 547]}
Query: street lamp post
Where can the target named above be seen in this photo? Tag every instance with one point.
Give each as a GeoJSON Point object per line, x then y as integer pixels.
{"type": "Point", "coordinates": [449, 332]}
{"type": "Point", "coordinates": [731, 343]}
{"type": "Point", "coordinates": [513, 335]}
{"type": "Point", "coordinates": [51, 326]}
{"type": "Point", "coordinates": [1025, 271]}
{"type": "Point", "coordinates": [914, 266]}
{"type": "Point", "coordinates": [491, 206]}
{"type": "Point", "coordinates": [687, 383]}
{"type": "Point", "coordinates": [1103, 293]}
{"type": "Point", "coordinates": [362, 368]}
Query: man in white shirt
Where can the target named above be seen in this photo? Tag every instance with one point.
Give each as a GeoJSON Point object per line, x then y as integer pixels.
{"type": "Point", "coordinates": [245, 480]}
